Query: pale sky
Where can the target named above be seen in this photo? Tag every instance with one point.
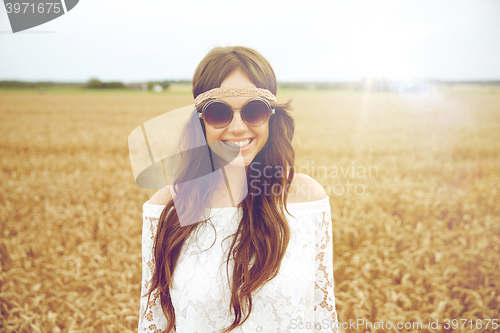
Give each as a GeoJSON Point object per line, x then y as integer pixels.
{"type": "Point", "coordinates": [303, 40]}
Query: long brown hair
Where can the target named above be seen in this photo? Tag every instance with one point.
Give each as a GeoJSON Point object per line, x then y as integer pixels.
{"type": "Point", "coordinates": [262, 237]}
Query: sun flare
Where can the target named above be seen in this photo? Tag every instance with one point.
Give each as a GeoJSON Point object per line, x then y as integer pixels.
{"type": "Point", "coordinates": [377, 49]}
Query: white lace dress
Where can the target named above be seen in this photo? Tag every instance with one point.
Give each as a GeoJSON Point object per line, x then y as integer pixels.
{"type": "Point", "coordinates": [299, 299]}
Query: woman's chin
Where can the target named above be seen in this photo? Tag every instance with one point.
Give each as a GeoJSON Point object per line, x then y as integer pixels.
{"type": "Point", "coordinates": [239, 161]}
{"type": "Point", "coordinates": [225, 158]}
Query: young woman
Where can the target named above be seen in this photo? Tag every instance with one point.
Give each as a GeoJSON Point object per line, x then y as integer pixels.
{"type": "Point", "coordinates": [261, 260]}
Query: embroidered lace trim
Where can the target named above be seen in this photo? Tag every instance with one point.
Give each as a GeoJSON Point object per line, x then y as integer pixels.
{"type": "Point", "coordinates": [324, 284]}
{"type": "Point", "coordinates": [230, 92]}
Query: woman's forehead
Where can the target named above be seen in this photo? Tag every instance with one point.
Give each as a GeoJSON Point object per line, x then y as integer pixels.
{"type": "Point", "coordinates": [237, 79]}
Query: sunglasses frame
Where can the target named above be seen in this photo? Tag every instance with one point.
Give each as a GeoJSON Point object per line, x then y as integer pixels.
{"type": "Point", "coordinates": [272, 111]}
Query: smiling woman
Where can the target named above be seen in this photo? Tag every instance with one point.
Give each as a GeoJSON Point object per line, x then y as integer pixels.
{"type": "Point", "coordinates": [256, 264]}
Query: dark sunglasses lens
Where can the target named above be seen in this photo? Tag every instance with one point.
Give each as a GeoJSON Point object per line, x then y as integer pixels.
{"type": "Point", "coordinates": [256, 112]}
{"type": "Point", "coordinates": [218, 114]}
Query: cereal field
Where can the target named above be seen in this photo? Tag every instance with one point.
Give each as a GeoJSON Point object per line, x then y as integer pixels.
{"type": "Point", "coordinates": [413, 185]}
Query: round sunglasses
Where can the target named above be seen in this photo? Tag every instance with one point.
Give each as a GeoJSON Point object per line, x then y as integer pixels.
{"type": "Point", "coordinates": [219, 114]}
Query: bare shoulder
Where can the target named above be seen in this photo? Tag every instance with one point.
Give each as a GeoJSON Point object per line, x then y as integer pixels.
{"type": "Point", "coordinates": [162, 197]}
{"type": "Point", "coordinates": [304, 189]}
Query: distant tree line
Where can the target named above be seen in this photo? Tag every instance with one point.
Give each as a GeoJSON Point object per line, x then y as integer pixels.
{"type": "Point", "coordinates": [489, 83]}
{"type": "Point", "coordinates": [97, 84]}
{"type": "Point", "coordinates": [93, 83]}
{"type": "Point", "coordinates": [165, 84]}
{"type": "Point", "coordinates": [316, 85]}
{"type": "Point", "coordinates": [36, 85]}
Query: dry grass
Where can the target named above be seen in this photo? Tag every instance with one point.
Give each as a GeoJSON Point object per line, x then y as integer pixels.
{"type": "Point", "coordinates": [422, 241]}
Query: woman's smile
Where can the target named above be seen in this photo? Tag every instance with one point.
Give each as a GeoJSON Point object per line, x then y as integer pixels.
{"type": "Point", "coordinates": [243, 144]}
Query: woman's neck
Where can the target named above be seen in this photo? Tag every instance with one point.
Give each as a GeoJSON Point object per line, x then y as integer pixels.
{"type": "Point", "coordinates": [233, 187]}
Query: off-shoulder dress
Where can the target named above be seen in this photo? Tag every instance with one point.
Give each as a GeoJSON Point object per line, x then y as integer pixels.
{"type": "Point", "coordinates": [299, 299]}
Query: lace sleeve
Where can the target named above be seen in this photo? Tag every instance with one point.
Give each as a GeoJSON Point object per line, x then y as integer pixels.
{"type": "Point", "coordinates": [151, 317]}
{"type": "Point", "coordinates": [325, 315]}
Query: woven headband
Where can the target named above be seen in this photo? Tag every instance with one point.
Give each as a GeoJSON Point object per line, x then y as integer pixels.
{"type": "Point", "coordinates": [230, 92]}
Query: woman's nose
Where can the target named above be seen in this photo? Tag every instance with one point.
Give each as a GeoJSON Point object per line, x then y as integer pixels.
{"type": "Point", "coordinates": [237, 125]}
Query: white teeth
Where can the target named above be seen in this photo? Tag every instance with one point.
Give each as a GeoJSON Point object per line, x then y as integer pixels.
{"type": "Point", "coordinates": [240, 144]}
